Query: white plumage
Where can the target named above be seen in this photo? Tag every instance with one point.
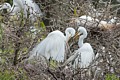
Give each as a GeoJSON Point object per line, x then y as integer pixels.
{"type": "Point", "coordinates": [53, 46]}
{"type": "Point", "coordinates": [85, 50]}
{"type": "Point", "coordinates": [84, 55]}
{"type": "Point", "coordinates": [17, 6]}
{"type": "Point", "coordinates": [33, 8]}
{"type": "Point", "coordinates": [5, 6]}
{"type": "Point", "coordinates": [113, 20]}
{"type": "Point", "coordinates": [27, 6]}
{"type": "Point", "coordinates": [84, 20]}
{"type": "Point", "coordinates": [88, 18]}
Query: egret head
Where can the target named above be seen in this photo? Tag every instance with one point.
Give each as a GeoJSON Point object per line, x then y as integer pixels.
{"type": "Point", "coordinates": [5, 6]}
{"type": "Point", "coordinates": [81, 31]}
{"type": "Point", "coordinates": [70, 32]}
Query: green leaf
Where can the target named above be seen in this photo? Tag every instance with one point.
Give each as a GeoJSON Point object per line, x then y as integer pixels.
{"type": "Point", "coordinates": [0, 50]}
{"type": "Point", "coordinates": [7, 75]}
{"type": "Point", "coordinates": [1, 32]}
{"type": "Point", "coordinates": [111, 77]}
{"type": "Point", "coordinates": [1, 17]}
{"type": "Point", "coordinates": [42, 25]}
{"type": "Point", "coordinates": [53, 63]}
{"type": "Point", "coordinates": [75, 12]}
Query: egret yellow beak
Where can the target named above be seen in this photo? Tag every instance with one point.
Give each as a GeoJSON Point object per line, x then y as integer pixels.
{"type": "Point", "coordinates": [69, 38]}
{"type": "Point", "coordinates": [76, 35]}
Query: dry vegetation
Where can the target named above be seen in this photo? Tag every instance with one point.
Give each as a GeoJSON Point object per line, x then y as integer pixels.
{"type": "Point", "coordinates": [17, 41]}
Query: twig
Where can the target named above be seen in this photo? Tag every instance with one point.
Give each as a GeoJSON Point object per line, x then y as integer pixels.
{"type": "Point", "coordinates": [52, 74]}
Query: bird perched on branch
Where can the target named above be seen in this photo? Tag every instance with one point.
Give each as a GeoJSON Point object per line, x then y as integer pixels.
{"type": "Point", "coordinates": [53, 46]}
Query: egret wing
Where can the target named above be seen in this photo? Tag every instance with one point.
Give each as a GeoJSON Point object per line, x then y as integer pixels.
{"type": "Point", "coordinates": [86, 55]}
{"type": "Point", "coordinates": [56, 46]}
{"type": "Point", "coordinates": [52, 46]}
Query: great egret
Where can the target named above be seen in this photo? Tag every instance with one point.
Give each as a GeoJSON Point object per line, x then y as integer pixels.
{"type": "Point", "coordinates": [87, 18]}
{"type": "Point", "coordinates": [85, 52]}
{"type": "Point", "coordinates": [27, 6]}
{"type": "Point", "coordinates": [84, 20]}
{"type": "Point", "coordinates": [16, 7]}
{"type": "Point", "coordinates": [33, 9]}
{"type": "Point", "coordinates": [53, 46]}
{"type": "Point", "coordinates": [5, 6]}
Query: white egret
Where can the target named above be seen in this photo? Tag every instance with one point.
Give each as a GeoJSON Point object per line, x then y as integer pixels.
{"type": "Point", "coordinates": [85, 49]}
{"type": "Point", "coordinates": [88, 18]}
{"type": "Point", "coordinates": [27, 6]}
{"type": "Point", "coordinates": [84, 20]}
{"type": "Point", "coordinates": [16, 7]}
{"type": "Point", "coordinates": [33, 9]}
{"type": "Point", "coordinates": [53, 46]}
{"type": "Point", "coordinates": [88, 21]}
{"type": "Point", "coordinates": [5, 6]}
{"type": "Point", "coordinates": [85, 52]}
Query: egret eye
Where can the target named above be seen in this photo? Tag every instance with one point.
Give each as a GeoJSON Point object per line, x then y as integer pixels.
{"type": "Point", "coordinates": [81, 33]}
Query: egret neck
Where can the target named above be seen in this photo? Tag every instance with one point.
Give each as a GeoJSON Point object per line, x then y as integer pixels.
{"type": "Point", "coordinates": [81, 38]}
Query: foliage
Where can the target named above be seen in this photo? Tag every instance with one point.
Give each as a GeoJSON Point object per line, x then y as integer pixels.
{"type": "Point", "coordinates": [7, 75]}
{"type": "Point", "coordinates": [17, 39]}
{"type": "Point", "coordinates": [111, 77]}
{"type": "Point", "coordinates": [75, 12]}
{"type": "Point", "coordinates": [1, 33]}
